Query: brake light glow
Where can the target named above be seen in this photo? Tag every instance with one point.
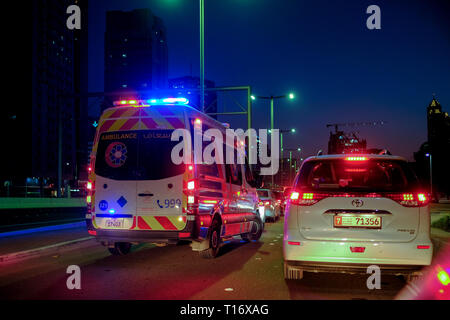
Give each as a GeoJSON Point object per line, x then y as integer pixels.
{"type": "Point", "coordinates": [443, 276]}
{"type": "Point", "coordinates": [89, 185]}
{"type": "Point", "coordinates": [356, 158]}
{"type": "Point", "coordinates": [308, 196]}
{"type": "Point", "coordinates": [409, 199]}
{"type": "Point", "coordinates": [92, 232]}
{"type": "Point", "coordinates": [294, 195]}
{"type": "Point", "coordinates": [191, 185]}
{"type": "Point", "coordinates": [421, 197]}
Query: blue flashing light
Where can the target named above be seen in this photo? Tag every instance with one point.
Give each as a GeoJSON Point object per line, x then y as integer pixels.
{"type": "Point", "coordinates": [112, 211]}
{"type": "Point", "coordinates": [149, 102]}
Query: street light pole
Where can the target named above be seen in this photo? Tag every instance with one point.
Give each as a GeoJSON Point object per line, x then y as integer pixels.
{"type": "Point", "coordinates": [202, 55]}
{"type": "Point", "coordinates": [431, 178]}
{"type": "Point", "coordinates": [271, 98]}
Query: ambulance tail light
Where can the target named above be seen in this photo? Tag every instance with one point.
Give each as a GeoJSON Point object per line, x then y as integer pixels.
{"type": "Point", "coordinates": [191, 185]}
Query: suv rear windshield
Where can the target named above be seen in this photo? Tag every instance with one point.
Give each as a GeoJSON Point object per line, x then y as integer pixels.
{"type": "Point", "coordinates": [373, 175]}
{"type": "Point", "coordinates": [136, 155]}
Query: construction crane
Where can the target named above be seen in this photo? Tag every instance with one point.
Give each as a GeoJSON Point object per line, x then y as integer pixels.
{"type": "Point", "coordinates": [341, 142]}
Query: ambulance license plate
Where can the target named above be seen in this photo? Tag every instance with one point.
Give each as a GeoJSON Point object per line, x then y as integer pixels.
{"type": "Point", "coordinates": [114, 223]}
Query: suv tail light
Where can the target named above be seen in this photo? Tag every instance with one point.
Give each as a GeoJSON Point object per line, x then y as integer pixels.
{"type": "Point", "coordinates": [307, 198]}
{"type": "Point", "coordinates": [409, 199]}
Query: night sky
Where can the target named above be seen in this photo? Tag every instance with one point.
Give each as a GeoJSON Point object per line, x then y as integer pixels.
{"type": "Point", "coordinates": [321, 50]}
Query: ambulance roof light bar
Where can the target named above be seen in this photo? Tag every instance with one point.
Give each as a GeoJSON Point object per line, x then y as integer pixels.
{"type": "Point", "coordinates": [149, 102]}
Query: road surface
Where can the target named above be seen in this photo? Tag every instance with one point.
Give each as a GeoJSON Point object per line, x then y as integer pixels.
{"type": "Point", "coordinates": [243, 271]}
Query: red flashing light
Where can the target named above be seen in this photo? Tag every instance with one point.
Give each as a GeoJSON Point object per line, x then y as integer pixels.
{"type": "Point", "coordinates": [190, 167]}
{"type": "Point", "coordinates": [89, 185]}
{"type": "Point", "coordinates": [357, 249]}
{"type": "Point", "coordinates": [92, 232]}
{"type": "Point", "coordinates": [294, 243]}
{"type": "Point", "coordinates": [89, 169]}
{"type": "Point", "coordinates": [423, 247]}
{"type": "Point", "coordinates": [267, 202]}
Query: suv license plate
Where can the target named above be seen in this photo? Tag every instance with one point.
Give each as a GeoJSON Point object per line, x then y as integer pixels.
{"type": "Point", "coordinates": [357, 221]}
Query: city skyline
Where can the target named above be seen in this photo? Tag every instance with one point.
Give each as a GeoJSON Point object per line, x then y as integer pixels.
{"type": "Point", "coordinates": [371, 75]}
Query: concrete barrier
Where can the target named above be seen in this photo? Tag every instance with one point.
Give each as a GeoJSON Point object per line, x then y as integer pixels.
{"type": "Point", "coordinates": [32, 203]}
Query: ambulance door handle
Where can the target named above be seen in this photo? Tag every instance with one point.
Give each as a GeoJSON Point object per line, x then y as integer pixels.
{"type": "Point", "coordinates": [145, 194]}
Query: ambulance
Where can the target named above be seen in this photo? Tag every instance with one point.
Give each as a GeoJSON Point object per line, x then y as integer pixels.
{"type": "Point", "coordinates": [137, 194]}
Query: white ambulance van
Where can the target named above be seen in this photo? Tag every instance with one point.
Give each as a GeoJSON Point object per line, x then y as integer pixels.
{"type": "Point", "coordinates": [137, 194]}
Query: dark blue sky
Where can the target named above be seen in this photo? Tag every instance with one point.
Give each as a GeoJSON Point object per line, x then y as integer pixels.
{"type": "Point", "coordinates": [321, 50]}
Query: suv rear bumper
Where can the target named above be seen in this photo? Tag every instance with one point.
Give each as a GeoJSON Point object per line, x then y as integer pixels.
{"type": "Point", "coordinates": [352, 268]}
{"type": "Point", "coordinates": [375, 253]}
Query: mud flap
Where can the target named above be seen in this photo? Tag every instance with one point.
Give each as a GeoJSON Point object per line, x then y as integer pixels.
{"type": "Point", "coordinates": [200, 245]}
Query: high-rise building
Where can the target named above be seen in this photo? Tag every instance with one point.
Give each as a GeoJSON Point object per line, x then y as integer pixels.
{"type": "Point", "coordinates": [438, 146]}
{"type": "Point", "coordinates": [135, 52]}
{"type": "Point", "coordinates": [59, 71]}
{"type": "Point", "coordinates": [185, 84]}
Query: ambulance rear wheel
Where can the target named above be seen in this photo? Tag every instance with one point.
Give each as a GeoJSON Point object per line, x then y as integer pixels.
{"type": "Point", "coordinates": [257, 230]}
{"type": "Point", "coordinates": [120, 248]}
{"type": "Point", "coordinates": [214, 242]}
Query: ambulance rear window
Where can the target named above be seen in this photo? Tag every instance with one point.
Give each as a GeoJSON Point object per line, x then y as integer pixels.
{"type": "Point", "coordinates": [136, 155]}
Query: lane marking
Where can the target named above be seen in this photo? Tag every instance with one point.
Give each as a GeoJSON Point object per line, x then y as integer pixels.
{"type": "Point", "coordinates": [46, 250]}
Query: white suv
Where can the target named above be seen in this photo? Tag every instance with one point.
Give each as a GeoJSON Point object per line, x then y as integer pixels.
{"type": "Point", "coordinates": [347, 212]}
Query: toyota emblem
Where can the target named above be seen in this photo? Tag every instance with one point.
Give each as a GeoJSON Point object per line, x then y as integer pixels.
{"type": "Point", "coordinates": [357, 203]}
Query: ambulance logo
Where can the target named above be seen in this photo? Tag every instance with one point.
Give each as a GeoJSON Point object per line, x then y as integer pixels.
{"type": "Point", "coordinates": [116, 154]}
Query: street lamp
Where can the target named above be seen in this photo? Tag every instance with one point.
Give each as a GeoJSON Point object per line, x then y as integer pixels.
{"type": "Point", "coordinates": [431, 175]}
{"type": "Point", "coordinates": [271, 98]}
{"type": "Point", "coordinates": [281, 138]}
{"type": "Point", "coordinates": [290, 96]}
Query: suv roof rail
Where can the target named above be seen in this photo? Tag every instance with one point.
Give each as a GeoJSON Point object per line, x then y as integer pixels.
{"type": "Point", "coordinates": [320, 153]}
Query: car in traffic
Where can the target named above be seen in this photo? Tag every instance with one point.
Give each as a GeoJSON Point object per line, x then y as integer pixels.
{"type": "Point", "coordinates": [269, 205]}
{"type": "Point", "coordinates": [348, 212]}
{"type": "Point", "coordinates": [279, 195]}
{"type": "Point", "coordinates": [137, 193]}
